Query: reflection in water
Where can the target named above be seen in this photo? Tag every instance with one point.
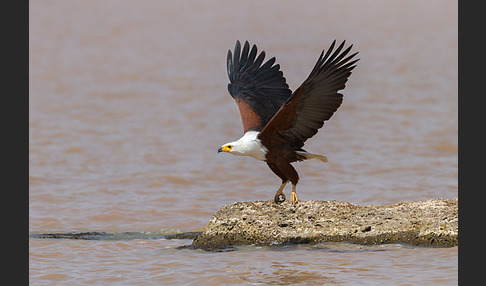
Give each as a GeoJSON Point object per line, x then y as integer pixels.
{"type": "Point", "coordinates": [285, 275]}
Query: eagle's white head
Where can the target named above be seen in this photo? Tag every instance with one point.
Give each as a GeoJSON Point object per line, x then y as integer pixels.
{"type": "Point", "coordinates": [248, 145]}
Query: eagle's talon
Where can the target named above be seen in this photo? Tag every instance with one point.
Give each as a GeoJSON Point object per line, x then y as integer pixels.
{"type": "Point", "coordinates": [279, 198]}
{"type": "Point", "coordinates": [293, 198]}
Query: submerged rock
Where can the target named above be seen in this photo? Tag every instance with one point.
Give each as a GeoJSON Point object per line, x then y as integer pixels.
{"type": "Point", "coordinates": [429, 223]}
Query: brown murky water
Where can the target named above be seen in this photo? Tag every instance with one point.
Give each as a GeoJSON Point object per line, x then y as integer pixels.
{"type": "Point", "coordinates": [128, 106]}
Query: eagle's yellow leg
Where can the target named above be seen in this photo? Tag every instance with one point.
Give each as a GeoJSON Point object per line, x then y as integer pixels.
{"type": "Point", "coordinates": [293, 196]}
{"type": "Point", "coordinates": [280, 193]}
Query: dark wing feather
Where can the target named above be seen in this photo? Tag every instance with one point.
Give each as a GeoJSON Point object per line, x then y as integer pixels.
{"type": "Point", "coordinates": [259, 90]}
{"type": "Point", "coordinates": [314, 102]}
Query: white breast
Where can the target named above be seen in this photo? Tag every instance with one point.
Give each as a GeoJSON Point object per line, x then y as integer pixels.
{"type": "Point", "coordinates": [249, 145]}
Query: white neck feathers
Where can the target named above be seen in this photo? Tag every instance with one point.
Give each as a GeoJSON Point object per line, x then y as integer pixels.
{"type": "Point", "coordinates": [249, 145]}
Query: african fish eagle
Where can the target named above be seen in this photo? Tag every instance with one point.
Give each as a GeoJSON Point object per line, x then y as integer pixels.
{"type": "Point", "coordinates": [277, 122]}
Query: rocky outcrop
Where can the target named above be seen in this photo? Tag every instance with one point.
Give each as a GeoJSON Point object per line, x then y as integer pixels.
{"type": "Point", "coordinates": [430, 223]}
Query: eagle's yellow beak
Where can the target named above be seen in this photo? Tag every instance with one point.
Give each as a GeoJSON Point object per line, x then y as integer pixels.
{"type": "Point", "coordinates": [225, 148]}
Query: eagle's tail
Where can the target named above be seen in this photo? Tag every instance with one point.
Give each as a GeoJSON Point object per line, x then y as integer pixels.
{"type": "Point", "coordinates": [313, 156]}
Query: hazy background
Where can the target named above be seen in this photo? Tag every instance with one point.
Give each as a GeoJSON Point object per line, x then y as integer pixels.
{"type": "Point", "coordinates": [128, 106]}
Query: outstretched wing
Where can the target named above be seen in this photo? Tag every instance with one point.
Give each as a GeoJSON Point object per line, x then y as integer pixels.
{"type": "Point", "coordinates": [259, 90]}
{"type": "Point", "coordinates": [314, 102]}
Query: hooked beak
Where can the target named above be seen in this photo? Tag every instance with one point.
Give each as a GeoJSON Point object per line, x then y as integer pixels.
{"type": "Point", "coordinates": [224, 148]}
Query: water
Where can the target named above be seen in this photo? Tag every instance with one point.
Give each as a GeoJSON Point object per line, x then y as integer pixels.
{"type": "Point", "coordinates": [128, 106]}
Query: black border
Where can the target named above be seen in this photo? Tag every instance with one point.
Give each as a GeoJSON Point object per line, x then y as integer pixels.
{"type": "Point", "coordinates": [472, 143]}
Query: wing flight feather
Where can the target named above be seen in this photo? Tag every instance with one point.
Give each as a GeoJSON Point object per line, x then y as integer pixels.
{"type": "Point", "coordinates": [314, 102]}
{"type": "Point", "coordinates": [258, 89]}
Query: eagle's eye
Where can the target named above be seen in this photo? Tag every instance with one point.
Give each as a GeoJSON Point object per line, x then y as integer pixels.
{"type": "Point", "coordinates": [229, 146]}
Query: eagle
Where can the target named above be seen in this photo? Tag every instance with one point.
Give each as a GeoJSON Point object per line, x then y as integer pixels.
{"type": "Point", "coordinates": [277, 122]}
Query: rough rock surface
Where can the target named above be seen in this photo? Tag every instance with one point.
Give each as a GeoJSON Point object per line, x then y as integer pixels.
{"type": "Point", "coordinates": [429, 223]}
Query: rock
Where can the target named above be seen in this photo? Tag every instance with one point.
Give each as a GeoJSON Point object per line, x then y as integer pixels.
{"type": "Point", "coordinates": [428, 223]}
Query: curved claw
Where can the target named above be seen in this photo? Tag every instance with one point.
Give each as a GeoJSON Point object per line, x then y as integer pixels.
{"type": "Point", "coordinates": [279, 197]}
{"type": "Point", "coordinates": [293, 198]}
